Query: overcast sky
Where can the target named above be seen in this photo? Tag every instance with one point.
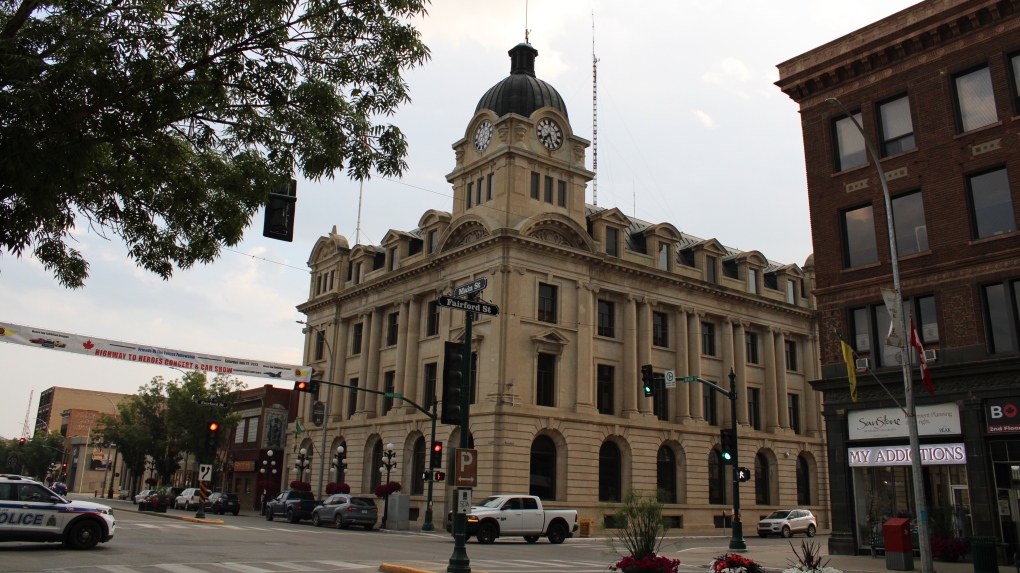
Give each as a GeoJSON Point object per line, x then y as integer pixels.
{"type": "Point", "coordinates": [692, 131]}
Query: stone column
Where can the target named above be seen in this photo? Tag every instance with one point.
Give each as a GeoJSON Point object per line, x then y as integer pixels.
{"type": "Point", "coordinates": [374, 380]}
{"type": "Point", "coordinates": [722, 410]}
{"type": "Point", "coordinates": [841, 485]}
{"type": "Point", "coordinates": [694, 363]}
{"type": "Point", "coordinates": [771, 392]}
{"type": "Point", "coordinates": [412, 373]}
{"type": "Point", "coordinates": [644, 350]}
{"type": "Point", "coordinates": [339, 367]}
{"type": "Point", "coordinates": [398, 374]}
{"type": "Point", "coordinates": [740, 368]}
{"type": "Point", "coordinates": [366, 337]}
{"type": "Point", "coordinates": [682, 394]}
{"type": "Point", "coordinates": [630, 366]}
{"type": "Point", "coordinates": [781, 387]}
{"type": "Point", "coordinates": [586, 321]}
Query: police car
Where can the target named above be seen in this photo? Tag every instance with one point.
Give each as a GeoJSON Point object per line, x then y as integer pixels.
{"type": "Point", "coordinates": [31, 512]}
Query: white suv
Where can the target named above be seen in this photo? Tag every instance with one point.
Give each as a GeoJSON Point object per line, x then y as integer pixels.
{"type": "Point", "coordinates": [31, 512]}
{"type": "Point", "coordinates": [188, 499]}
{"type": "Point", "coordinates": [786, 522]}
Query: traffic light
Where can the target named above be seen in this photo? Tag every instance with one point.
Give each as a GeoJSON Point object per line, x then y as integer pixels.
{"type": "Point", "coordinates": [212, 437]}
{"type": "Point", "coordinates": [21, 442]}
{"type": "Point", "coordinates": [438, 476]}
{"type": "Point", "coordinates": [728, 445]}
{"type": "Point", "coordinates": [279, 221]}
{"type": "Point", "coordinates": [648, 380]}
{"type": "Point", "coordinates": [437, 455]}
{"type": "Point", "coordinates": [453, 383]}
{"type": "Point", "coordinates": [310, 387]}
{"type": "Point", "coordinates": [743, 474]}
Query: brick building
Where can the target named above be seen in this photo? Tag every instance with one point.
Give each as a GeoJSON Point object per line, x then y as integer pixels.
{"type": "Point", "coordinates": [587, 295]}
{"type": "Point", "coordinates": [935, 87]}
{"type": "Point", "coordinates": [265, 413]}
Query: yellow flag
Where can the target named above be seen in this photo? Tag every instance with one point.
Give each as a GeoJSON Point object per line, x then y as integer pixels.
{"type": "Point", "coordinates": [851, 368]}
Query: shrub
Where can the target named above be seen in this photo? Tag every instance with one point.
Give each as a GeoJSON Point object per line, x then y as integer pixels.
{"type": "Point", "coordinates": [384, 490]}
{"type": "Point", "coordinates": [300, 485]}
{"type": "Point", "coordinates": [151, 482]}
{"type": "Point", "coordinates": [335, 487]}
{"type": "Point", "coordinates": [947, 548]}
{"type": "Point", "coordinates": [640, 526]}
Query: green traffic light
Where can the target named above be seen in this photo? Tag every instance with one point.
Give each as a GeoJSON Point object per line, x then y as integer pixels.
{"type": "Point", "coordinates": [727, 456]}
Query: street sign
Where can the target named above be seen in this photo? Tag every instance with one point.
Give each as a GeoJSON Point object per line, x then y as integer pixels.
{"type": "Point", "coordinates": [205, 472]}
{"type": "Point", "coordinates": [468, 305]}
{"type": "Point", "coordinates": [318, 413]}
{"type": "Point", "coordinates": [211, 403]}
{"type": "Point", "coordinates": [670, 377]}
{"type": "Point", "coordinates": [690, 379]}
{"type": "Point", "coordinates": [466, 467]}
{"type": "Point", "coordinates": [463, 500]}
{"type": "Point", "coordinates": [473, 286]}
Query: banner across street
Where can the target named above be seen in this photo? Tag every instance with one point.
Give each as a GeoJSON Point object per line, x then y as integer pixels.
{"type": "Point", "coordinates": [144, 354]}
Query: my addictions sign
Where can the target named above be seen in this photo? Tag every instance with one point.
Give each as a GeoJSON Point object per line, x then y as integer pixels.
{"type": "Point", "coordinates": [933, 420]}
{"type": "Point", "coordinates": [931, 455]}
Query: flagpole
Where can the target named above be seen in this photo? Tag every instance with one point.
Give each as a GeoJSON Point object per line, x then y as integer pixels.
{"type": "Point", "coordinates": [923, 540]}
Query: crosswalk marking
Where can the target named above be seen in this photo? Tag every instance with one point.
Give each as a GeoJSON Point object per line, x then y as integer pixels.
{"type": "Point", "coordinates": [289, 566]}
{"type": "Point", "coordinates": [241, 567]}
{"type": "Point", "coordinates": [178, 568]}
{"type": "Point", "coordinates": [340, 564]}
{"type": "Point", "coordinates": [116, 568]}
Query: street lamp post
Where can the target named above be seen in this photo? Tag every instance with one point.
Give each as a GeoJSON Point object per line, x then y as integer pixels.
{"type": "Point", "coordinates": [340, 465]}
{"type": "Point", "coordinates": [389, 462]}
{"type": "Point", "coordinates": [267, 470]}
{"type": "Point", "coordinates": [915, 448]}
{"type": "Point", "coordinates": [302, 463]}
{"type": "Point", "coordinates": [329, 396]}
{"type": "Point", "coordinates": [116, 414]}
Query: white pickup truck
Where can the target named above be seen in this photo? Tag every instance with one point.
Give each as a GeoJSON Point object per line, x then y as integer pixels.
{"type": "Point", "coordinates": [517, 516]}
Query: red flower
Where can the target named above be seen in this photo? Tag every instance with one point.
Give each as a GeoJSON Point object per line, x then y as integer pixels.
{"type": "Point", "coordinates": [651, 562]}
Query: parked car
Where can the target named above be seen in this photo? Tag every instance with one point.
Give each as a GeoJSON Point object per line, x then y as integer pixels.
{"type": "Point", "coordinates": [517, 516]}
{"type": "Point", "coordinates": [787, 522]}
{"type": "Point", "coordinates": [220, 503]}
{"type": "Point", "coordinates": [187, 499]}
{"type": "Point", "coordinates": [343, 510]}
{"type": "Point", "coordinates": [60, 488]}
{"type": "Point", "coordinates": [294, 504]}
{"type": "Point", "coordinates": [142, 495]}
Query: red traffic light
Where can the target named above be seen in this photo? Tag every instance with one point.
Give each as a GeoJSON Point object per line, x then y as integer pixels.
{"type": "Point", "coordinates": [437, 447]}
{"type": "Point", "coordinates": [213, 426]}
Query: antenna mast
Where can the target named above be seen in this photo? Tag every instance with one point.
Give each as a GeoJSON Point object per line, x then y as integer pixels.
{"type": "Point", "coordinates": [594, 116]}
{"type": "Point", "coordinates": [28, 413]}
{"type": "Point", "coordinates": [526, 41]}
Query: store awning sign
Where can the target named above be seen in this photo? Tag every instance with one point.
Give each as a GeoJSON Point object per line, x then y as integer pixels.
{"type": "Point", "coordinates": [1003, 415]}
{"type": "Point", "coordinates": [932, 420]}
{"type": "Point", "coordinates": [931, 455]}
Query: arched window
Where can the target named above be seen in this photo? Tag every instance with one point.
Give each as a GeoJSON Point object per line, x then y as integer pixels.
{"type": "Point", "coordinates": [610, 472]}
{"type": "Point", "coordinates": [418, 468]}
{"type": "Point", "coordinates": [761, 480]}
{"type": "Point", "coordinates": [716, 483]}
{"type": "Point", "coordinates": [665, 466]}
{"type": "Point", "coordinates": [543, 468]}
{"type": "Point", "coordinates": [803, 482]}
{"type": "Point", "coordinates": [373, 469]}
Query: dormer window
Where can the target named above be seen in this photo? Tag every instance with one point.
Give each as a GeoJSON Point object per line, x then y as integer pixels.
{"type": "Point", "coordinates": [791, 292]}
{"type": "Point", "coordinates": [711, 273]}
{"type": "Point", "coordinates": [686, 257]}
{"type": "Point", "coordinates": [357, 273]}
{"type": "Point", "coordinates": [752, 281]}
{"type": "Point", "coordinates": [664, 252]}
{"type": "Point", "coordinates": [771, 281]}
{"type": "Point", "coordinates": [612, 239]}
{"type": "Point", "coordinates": [392, 258]}
{"type": "Point", "coordinates": [433, 241]}
{"type": "Point", "coordinates": [729, 269]}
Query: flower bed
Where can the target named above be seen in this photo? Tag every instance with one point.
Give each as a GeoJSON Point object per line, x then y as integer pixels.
{"type": "Point", "coordinates": [648, 564]}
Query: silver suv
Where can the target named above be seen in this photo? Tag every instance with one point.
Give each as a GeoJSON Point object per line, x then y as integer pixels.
{"type": "Point", "coordinates": [786, 522]}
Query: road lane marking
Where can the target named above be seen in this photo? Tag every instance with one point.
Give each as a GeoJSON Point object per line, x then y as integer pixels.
{"type": "Point", "coordinates": [117, 568]}
{"type": "Point", "coordinates": [241, 567]}
{"type": "Point", "coordinates": [178, 568]}
{"type": "Point", "coordinates": [290, 566]}
{"type": "Point", "coordinates": [342, 564]}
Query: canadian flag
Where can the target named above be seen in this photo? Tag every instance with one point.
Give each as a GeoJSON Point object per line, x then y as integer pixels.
{"type": "Point", "coordinates": [915, 341]}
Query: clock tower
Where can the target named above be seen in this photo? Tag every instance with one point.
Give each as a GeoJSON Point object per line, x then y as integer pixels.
{"type": "Point", "coordinates": [519, 158]}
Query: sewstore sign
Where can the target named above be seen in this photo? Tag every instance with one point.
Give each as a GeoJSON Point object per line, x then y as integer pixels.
{"type": "Point", "coordinates": [931, 455]}
{"type": "Point", "coordinates": [932, 420]}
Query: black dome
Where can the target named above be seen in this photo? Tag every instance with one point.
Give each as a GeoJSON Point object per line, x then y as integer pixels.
{"type": "Point", "coordinates": [521, 92]}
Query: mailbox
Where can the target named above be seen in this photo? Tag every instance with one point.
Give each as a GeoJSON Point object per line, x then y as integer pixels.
{"type": "Point", "coordinates": [899, 551]}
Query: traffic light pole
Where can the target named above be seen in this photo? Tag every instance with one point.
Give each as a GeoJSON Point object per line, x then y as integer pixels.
{"type": "Point", "coordinates": [428, 526]}
{"type": "Point", "coordinates": [737, 539]}
{"type": "Point", "coordinates": [459, 562]}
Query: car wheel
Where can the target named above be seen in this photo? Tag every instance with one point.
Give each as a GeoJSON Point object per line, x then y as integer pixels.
{"type": "Point", "coordinates": [786, 532]}
{"type": "Point", "coordinates": [269, 514]}
{"type": "Point", "coordinates": [487, 533]}
{"type": "Point", "coordinates": [369, 526]}
{"type": "Point", "coordinates": [316, 522]}
{"type": "Point", "coordinates": [339, 523]}
{"type": "Point", "coordinates": [557, 533]}
{"type": "Point", "coordinates": [763, 535]}
{"type": "Point", "coordinates": [84, 535]}
{"type": "Point", "coordinates": [234, 512]}
{"type": "Point", "coordinates": [811, 530]}
{"type": "Point", "coordinates": [531, 538]}
{"type": "Point", "coordinates": [291, 518]}
{"type": "Point", "coordinates": [187, 506]}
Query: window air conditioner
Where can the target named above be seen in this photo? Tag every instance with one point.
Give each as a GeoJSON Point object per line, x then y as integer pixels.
{"type": "Point", "coordinates": [931, 355]}
{"type": "Point", "coordinates": [862, 364]}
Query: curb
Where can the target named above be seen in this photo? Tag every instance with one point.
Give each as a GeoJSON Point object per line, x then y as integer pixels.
{"type": "Point", "coordinates": [416, 567]}
{"type": "Point", "coordinates": [177, 517]}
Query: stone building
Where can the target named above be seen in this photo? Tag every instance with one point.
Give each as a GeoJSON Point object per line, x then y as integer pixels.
{"type": "Point", "coordinates": [586, 296]}
{"type": "Point", "coordinates": [935, 87]}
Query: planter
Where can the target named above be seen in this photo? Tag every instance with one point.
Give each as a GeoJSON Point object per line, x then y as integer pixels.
{"type": "Point", "coordinates": [144, 506]}
{"type": "Point", "coordinates": [159, 508]}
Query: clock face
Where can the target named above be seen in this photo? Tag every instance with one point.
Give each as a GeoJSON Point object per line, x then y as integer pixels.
{"type": "Point", "coordinates": [483, 135]}
{"type": "Point", "coordinates": [549, 134]}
